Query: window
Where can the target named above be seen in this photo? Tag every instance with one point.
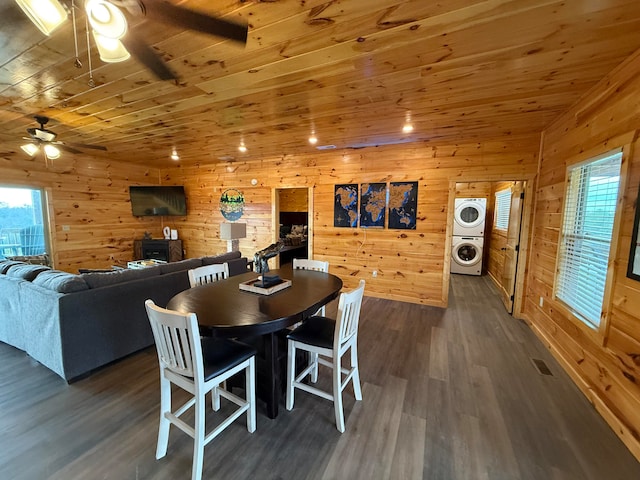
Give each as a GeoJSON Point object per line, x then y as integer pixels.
{"type": "Point", "coordinates": [590, 207]}
{"type": "Point", "coordinates": [22, 222]}
{"type": "Point", "coordinates": [503, 208]}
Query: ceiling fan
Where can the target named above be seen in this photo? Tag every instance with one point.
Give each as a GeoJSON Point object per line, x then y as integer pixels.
{"type": "Point", "coordinates": [116, 41]}
{"type": "Point", "coordinates": [46, 139]}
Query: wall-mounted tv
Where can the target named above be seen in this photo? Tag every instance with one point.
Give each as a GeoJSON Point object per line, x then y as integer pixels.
{"type": "Point", "coordinates": [154, 201]}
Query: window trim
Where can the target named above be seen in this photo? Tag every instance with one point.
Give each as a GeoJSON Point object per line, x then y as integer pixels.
{"type": "Point", "coordinates": [600, 333]}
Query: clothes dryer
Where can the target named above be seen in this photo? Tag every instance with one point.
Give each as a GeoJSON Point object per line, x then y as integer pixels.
{"type": "Point", "coordinates": [469, 217]}
{"type": "Point", "coordinates": [466, 255]}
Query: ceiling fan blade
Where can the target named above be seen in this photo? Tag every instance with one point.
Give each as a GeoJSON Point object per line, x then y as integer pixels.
{"type": "Point", "coordinates": [147, 56]}
{"type": "Point", "coordinates": [166, 12]}
{"type": "Point", "coordinates": [67, 148]}
{"type": "Point", "coordinates": [85, 145]}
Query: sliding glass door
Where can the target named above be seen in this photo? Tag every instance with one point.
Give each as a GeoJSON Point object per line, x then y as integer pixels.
{"type": "Point", "coordinates": [23, 224]}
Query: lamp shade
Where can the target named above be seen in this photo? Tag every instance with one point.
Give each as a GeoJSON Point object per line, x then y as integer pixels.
{"type": "Point", "coordinates": [105, 18]}
{"type": "Point", "coordinates": [47, 15]}
{"type": "Point", "coordinates": [233, 231]}
{"type": "Point", "coordinates": [52, 151]}
{"type": "Point", "coordinates": [111, 50]}
{"type": "Point", "coordinates": [30, 149]}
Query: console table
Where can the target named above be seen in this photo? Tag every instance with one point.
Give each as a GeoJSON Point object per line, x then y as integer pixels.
{"type": "Point", "coordinates": [158, 249]}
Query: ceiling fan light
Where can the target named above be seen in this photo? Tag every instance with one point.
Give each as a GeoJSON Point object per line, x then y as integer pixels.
{"type": "Point", "coordinates": [51, 151]}
{"type": "Point", "coordinates": [106, 19]}
{"type": "Point", "coordinates": [43, 134]}
{"type": "Point", "coordinates": [30, 149]}
{"type": "Point", "coordinates": [111, 50]}
{"type": "Point", "coordinates": [47, 15]}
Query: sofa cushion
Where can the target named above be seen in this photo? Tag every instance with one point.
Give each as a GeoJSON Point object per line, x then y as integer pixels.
{"type": "Point", "coordinates": [97, 280]}
{"type": "Point", "coordinates": [223, 257]}
{"type": "Point", "coordinates": [26, 271]}
{"type": "Point", "coordinates": [181, 265]}
{"type": "Point", "coordinates": [6, 264]}
{"type": "Point", "coordinates": [62, 282]}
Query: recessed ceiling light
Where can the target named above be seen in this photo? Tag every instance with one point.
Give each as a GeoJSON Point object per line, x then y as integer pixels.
{"type": "Point", "coordinates": [174, 155]}
{"type": "Point", "coordinates": [407, 128]}
{"type": "Point", "coordinates": [313, 139]}
{"type": "Point", "coordinates": [242, 148]}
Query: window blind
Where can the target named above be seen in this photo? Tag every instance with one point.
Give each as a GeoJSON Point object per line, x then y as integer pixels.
{"type": "Point", "coordinates": [590, 207]}
{"type": "Point", "coordinates": [503, 208]}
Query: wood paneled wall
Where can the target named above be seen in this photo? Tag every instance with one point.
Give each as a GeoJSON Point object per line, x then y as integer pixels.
{"type": "Point", "coordinates": [90, 212]}
{"type": "Point", "coordinates": [294, 199]}
{"type": "Point", "coordinates": [473, 190]}
{"type": "Point", "coordinates": [605, 364]}
{"type": "Point", "coordinates": [412, 265]}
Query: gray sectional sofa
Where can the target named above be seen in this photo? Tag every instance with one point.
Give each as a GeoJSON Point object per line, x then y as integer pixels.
{"type": "Point", "coordinates": [73, 324]}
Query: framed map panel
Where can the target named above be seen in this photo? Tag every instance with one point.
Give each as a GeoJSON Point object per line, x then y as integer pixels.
{"type": "Point", "coordinates": [345, 205]}
{"type": "Point", "coordinates": [373, 205]}
{"type": "Point", "coordinates": [403, 205]}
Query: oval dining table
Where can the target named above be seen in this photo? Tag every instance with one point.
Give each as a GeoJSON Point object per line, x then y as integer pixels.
{"type": "Point", "coordinates": [224, 310]}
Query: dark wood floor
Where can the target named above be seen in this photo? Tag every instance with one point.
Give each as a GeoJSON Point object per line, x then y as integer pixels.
{"type": "Point", "coordinates": [448, 394]}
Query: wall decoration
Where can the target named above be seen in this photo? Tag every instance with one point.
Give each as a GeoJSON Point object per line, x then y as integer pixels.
{"type": "Point", "coordinates": [633, 267]}
{"type": "Point", "coordinates": [403, 205]}
{"type": "Point", "coordinates": [232, 204]}
{"type": "Point", "coordinates": [345, 205]}
{"type": "Point", "coordinates": [373, 205]}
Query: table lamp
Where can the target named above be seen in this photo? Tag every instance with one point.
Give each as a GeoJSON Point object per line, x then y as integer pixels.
{"type": "Point", "coordinates": [232, 232]}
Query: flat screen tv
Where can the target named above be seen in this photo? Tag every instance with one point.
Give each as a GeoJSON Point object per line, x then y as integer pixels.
{"type": "Point", "coordinates": [155, 201]}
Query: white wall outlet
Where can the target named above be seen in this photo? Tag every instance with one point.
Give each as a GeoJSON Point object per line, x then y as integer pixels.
{"type": "Point", "coordinates": [374, 273]}
{"type": "Point", "coordinates": [66, 228]}
{"type": "Point", "coordinates": [541, 301]}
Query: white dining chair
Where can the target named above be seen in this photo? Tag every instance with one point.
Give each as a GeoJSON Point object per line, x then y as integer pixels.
{"type": "Point", "coordinates": [318, 266]}
{"type": "Point", "coordinates": [208, 274]}
{"type": "Point", "coordinates": [327, 341]}
{"type": "Point", "coordinates": [199, 366]}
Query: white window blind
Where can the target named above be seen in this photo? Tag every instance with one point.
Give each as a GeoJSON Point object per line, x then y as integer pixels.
{"type": "Point", "coordinates": [590, 207]}
{"type": "Point", "coordinates": [503, 208]}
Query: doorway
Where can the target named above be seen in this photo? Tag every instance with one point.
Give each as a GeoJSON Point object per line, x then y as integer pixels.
{"type": "Point", "coordinates": [505, 237]}
{"type": "Point", "coordinates": [293, 223]}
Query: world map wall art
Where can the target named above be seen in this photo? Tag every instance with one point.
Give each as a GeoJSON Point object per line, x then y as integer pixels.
{"type": "Point", "coordinates": [369, 205]}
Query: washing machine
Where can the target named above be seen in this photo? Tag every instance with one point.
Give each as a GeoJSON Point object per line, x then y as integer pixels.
{"type": "Point", "coordinates": [469, 217]}
{"type": "Point", "coordinates": [466, 255]}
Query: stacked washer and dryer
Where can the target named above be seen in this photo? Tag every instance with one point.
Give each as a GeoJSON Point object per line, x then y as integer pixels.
{"type": "Point", "coordinates": [468, 235]}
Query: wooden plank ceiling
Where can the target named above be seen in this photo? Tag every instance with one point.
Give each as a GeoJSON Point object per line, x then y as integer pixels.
{"type": "Point", "coordinates": [352, 70]}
